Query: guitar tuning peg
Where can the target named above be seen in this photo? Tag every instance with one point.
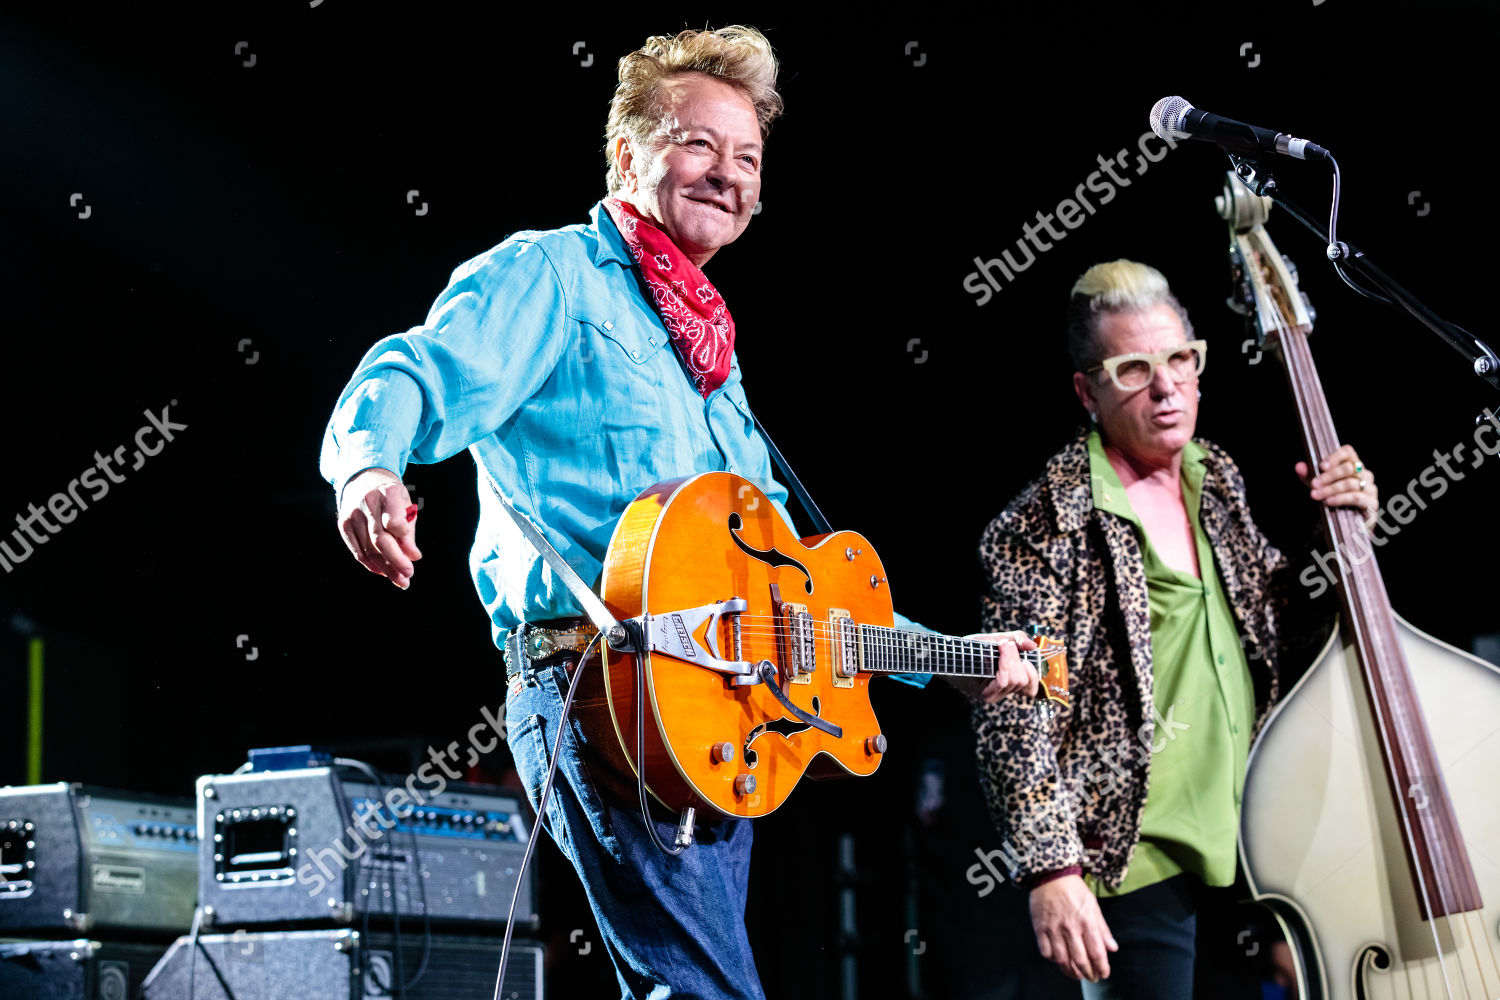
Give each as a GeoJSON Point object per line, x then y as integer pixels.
{"type": "Point", "coordinates": [1033, 630]}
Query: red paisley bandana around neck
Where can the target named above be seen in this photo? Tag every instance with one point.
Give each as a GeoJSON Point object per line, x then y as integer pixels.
{"type": "Point", "coordinates": [690, 307]}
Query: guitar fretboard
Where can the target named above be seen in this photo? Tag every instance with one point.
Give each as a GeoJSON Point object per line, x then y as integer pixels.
{"type": "Point", "coordinates": [893, 650]}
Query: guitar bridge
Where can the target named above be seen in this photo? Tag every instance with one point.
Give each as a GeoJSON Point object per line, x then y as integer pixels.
{"type": "Point", "coordinates": [675, 633]}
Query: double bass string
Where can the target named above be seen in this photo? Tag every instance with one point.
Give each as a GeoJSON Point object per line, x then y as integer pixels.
{"type": "Point", "coordinates": [1469, 934]}
{"type": "Point", "coordinates": [1353, 580]}
{"type": "Point", "coordinates": [1478, 953]}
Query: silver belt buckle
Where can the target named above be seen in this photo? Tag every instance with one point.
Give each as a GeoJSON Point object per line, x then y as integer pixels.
{"type": "Point", "coordinates": [539, 644]}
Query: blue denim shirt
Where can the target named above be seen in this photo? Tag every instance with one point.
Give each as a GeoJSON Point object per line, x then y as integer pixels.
{"type": "Point", "coordinates": [546, 361]}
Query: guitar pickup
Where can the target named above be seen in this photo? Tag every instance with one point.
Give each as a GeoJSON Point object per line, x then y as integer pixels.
{"type": "Point", "coordinates": [795, 634]}
{"type": "Point", "coordinates": [845, 634]}
{"type": "Point", "coordinates": [799, 632]}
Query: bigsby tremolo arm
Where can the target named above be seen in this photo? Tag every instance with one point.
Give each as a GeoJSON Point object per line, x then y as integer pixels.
{"type": "Point", "coordinates": [674, 633]}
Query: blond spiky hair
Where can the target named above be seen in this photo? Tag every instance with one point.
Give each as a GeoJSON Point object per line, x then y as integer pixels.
{"type": "Point", "coordinates": [738, 55]}
{"type": "Point", "coordinates": [1119, 286]}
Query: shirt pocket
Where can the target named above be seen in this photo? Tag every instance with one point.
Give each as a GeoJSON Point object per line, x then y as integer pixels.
{"type": "Point", "coordinates": [624, 400]}
{"type": "Point", "coordinates": [637, 341]}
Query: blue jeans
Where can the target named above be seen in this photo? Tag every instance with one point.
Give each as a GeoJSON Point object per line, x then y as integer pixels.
{"type": "Point", "coordinates": [673, 926]}
{"type": "Point", "coordinates": [1155, 927]}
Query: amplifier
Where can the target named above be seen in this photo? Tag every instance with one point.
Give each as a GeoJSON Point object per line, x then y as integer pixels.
{"type": "Point", "coordinates": [343, 964]}
{"type": "Point", "coordinates": [320, 845]}
{"type": "Point", "coordinates": [83, 860]}
{"type": "Point", "coordinates": [74, 970]}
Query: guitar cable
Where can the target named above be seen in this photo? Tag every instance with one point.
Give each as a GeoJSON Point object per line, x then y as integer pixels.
{"type": "Point", "coordinates": [640, 746]}
{"type": "Point", "coordinates": [400, 984]}
{"type": "Point", "coordinates": [397, 972]}
{"type": "Point", "coordinates": [541, 811]}
{"type": "Point", "coordinates": [194, 946]}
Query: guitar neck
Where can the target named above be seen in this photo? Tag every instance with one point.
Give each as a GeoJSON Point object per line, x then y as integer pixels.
{"type": "Point", "coordinates": [893, 650]}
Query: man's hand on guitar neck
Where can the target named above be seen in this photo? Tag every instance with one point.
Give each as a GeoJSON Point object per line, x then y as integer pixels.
{"type": "Point", "coordinates": [1012, 676]}
{"type": "Point", "coordinates": [378, 523]}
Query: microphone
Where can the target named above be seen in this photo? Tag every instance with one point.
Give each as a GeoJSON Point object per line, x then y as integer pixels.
{"type": "Point", "coordinates": [1174, 118]}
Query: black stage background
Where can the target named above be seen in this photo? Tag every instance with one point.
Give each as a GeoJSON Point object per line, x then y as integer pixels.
{"type": "Point", "coordinates": [248, 235]}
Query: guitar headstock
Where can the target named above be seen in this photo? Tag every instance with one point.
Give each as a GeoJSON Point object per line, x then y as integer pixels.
{"type": "Point", "coordinates": [1265, 292]}
{"type": "Point", "coordinates": [1051, 663]}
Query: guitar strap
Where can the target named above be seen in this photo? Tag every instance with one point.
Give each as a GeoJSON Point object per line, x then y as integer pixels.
{"type": "Point", "coordinates": [819, 521]}
{"type": "Point", "coordinates": [582, 593]}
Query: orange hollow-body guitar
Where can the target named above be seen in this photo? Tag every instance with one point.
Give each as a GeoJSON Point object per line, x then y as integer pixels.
{"type": "Point", "coordinates": [736, 608]}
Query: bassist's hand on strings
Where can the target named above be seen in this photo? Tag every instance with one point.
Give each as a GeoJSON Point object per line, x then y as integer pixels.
{"type": "Point", "coordinates": [1343, 481]}
{"type": "Point", "coordinates": [377, 521]}
{"type": "Point", "coordinates": [1012, 676]}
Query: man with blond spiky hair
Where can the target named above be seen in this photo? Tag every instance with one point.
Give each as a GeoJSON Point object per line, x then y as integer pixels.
{"type": "Point", "coordinates": [579, 367]}
{"type": "Point", "coordinates": [1137, 542]}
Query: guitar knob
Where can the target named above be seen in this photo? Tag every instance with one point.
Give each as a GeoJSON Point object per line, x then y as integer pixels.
{"type": "Point", "coordinates": [744, 784]}
{"type": "Point", "coordinates": [721, 753]}
{"type": "Point", "coordinates": [875, 744]}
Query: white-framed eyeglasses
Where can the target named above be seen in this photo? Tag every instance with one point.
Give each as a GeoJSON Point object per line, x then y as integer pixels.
{"type": "Point", "coordinates": [1134, 371]}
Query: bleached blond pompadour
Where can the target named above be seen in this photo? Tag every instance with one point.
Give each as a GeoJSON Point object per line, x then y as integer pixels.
{"type": "Point", "coordinates": [738, 55]}
{"type": "Point", "coordinates": [1119, 286]}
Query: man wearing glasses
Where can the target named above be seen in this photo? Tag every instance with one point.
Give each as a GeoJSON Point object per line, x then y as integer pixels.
{"type": "Point", "coordinates": [1138, 541]}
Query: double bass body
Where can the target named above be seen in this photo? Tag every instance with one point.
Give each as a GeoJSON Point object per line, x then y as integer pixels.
{"type": "Point", "coordinates": [1321, 837]}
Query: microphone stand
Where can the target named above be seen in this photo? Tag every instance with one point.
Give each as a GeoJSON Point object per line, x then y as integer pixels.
{"type": "Point", "coordinates": [1482, 360]}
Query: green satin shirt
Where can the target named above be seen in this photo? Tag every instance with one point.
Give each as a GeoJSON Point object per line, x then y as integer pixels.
{"type": "Point", "coordinates": [1204, 698]}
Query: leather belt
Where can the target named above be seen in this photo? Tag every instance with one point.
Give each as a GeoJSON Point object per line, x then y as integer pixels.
{"type": "Point", "coordinates": [546, 643]}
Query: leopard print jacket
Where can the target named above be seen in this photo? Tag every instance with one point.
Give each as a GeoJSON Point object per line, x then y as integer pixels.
{"type": "Point", "coordinates": [1070, 790]}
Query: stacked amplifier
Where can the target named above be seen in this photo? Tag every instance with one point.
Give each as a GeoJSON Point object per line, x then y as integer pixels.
{"type": "Point", "coordinates": [323, 881]}
{"type": "Point", "coordinates": [94, 884]}
{"type": "Point", "coordinates": [310, 845]}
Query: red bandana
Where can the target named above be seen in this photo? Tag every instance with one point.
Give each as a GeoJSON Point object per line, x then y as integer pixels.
{"type": "Point", "coordinates": [690, 307]}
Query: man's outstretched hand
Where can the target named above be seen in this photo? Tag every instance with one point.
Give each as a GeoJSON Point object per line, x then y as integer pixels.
{"type": "Point", "coordinates": [378, 523]}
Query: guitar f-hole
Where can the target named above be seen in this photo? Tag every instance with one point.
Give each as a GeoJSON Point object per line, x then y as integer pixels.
{"type": "Point", "coordinates": [772, 557]}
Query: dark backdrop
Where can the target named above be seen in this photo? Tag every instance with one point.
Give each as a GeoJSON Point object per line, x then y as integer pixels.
{"type": "Point", "coordinates": [249, 234]}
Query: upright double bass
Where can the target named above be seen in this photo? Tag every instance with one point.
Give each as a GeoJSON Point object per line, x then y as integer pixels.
{"type": "Point", "coordinates": [1371, 814]}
